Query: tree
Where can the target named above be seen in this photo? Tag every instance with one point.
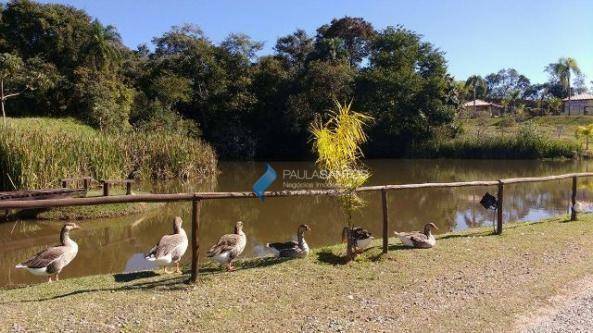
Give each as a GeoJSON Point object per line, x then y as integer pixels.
{"type": "Point", "coordinates": [506, 80]}
{"type": "Point", "coordinates": [560, 73]}
{"type": "Point", "coordinates": [242, 46]}
{"type": "Point", "coordinates": [18, 77]}
{"type": "Point", "coordinates": [295, 48]}
{"type": "Point", "coordinates": [104, 48]}
{"type": "Point", "coordinates": [337, 144]}
{"type": "Point", "coordinates": [355, 32]}
{"type": "Point", "coordinates": [406, 89]}
{"type": "Point", "coordinates": [476, 84]}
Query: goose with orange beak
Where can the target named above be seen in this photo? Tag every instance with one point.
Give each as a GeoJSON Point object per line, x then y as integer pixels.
{"type": "Point", "coordinates": [52, 260]}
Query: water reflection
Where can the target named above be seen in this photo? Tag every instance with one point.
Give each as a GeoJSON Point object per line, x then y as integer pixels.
{"type": "Point", "coordinates": [117, 245]}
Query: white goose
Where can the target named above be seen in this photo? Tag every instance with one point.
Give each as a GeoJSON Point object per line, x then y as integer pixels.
{"type": "Point", "coordinates": [422, 240]}
{"type": "Point", "coordinates": [170, 248]}
{"type": "Point", "coordinates": [52, 260]}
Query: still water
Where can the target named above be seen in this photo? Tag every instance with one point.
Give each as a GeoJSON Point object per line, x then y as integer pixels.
{"type": "Point", "coordinates": [117, 245]}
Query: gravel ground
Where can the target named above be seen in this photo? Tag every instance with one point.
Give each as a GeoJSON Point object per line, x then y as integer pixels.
{"type": "Point", "coordinates": [574, 315]}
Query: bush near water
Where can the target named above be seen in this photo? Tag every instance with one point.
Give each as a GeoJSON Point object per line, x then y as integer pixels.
{"type": "Point", "coordinates": [528, 141]}
{"type": "Point", "coordinates": [36, 152]}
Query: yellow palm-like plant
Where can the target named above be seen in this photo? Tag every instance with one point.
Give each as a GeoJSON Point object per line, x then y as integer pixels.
{"type": "Point", "coordinates": [586, 132]}
{"type": "Point", "coordinates": [337, 144]}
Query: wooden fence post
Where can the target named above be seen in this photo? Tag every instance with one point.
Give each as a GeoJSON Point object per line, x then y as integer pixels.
{"type": "Point", "coordinates": [196, 204]}
{"type": "Point", "coordinates": [499, 207]}
{"type": "Point", "coordinates": [385, 220]}
{"type": "Point", "coordinates": [573, 199]}
{"type": "Point", "coordinates": [105, 189]}
{"type": "Point", "coordinates": [64, 183]}
{"type": "Point", "coordinates": [86, 183]}
{"type": "Point", "coordinates": [128, 188]}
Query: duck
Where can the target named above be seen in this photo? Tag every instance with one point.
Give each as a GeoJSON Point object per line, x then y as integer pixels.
{"type": "Point", "coordinates": [417, 239]}
{"type": "Point", "coordinates": [229, 247]}
{"type": "Point", "coordinates": [292, 249]}
{"type": "Point", "coordinates": [170, 248]}
{"type": "Point", "coordinates": [52, 260]}
{"type": "Point", "coordinates": [362, 238]}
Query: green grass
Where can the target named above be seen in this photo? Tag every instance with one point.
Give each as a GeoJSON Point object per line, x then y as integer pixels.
{"type": "Point", "coordinates": [37, 152]}
{"type": "Point", "coordinates": [506, 138]}
{"type": "Point", "coordinates": [471, 281]}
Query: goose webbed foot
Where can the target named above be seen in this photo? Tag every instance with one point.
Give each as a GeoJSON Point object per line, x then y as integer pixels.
{"type": "Point", "coordinates": [178, 269]}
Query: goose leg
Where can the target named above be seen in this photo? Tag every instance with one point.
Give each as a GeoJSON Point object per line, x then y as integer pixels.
{"type": "Point", "coordinates": [49, 279]}
{"type": "Point", "coordinates": [229, 267]}
{"type": "Point", "coordinates": [57, 277]}
{"type": "Point", "coordinates": [165, 270]}
{"type": "Point", "coordinates": [178, 269]}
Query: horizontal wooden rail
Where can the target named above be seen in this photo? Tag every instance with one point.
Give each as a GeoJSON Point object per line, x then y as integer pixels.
{"type": "Point", "coordinates": [546, 178]}
{"type": "Point", "coordinates": [197, 198]}
{"type": "Point", "coordinates": [171, 197]}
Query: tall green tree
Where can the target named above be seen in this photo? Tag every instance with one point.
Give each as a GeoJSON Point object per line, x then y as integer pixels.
{"type": "Point", "coordinates": [354, 32]}
{"type": "Point", "coordinates": [18, 77]}
{"type": "Point", "coordinates": [406, 89]}
{"type": "Point", "coordinates": [104, 47]}
{"type": "Point", "coordinates": [295, 48]}
{"type": "Point", "coordinates": [560, 72]}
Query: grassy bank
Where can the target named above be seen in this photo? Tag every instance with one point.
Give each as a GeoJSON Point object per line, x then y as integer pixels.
{"type": "Point", "coordinates": [539, 137]}
{"type": "Point", "coordinates": [36, 152]}
{"type": "Point", "coordinates": [85, 212]}
{"type": "Point", "coordinates": [472, 281]}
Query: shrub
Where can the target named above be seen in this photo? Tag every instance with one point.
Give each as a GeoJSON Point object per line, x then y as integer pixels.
{"type": "Point", "coordinates": [36, 152]}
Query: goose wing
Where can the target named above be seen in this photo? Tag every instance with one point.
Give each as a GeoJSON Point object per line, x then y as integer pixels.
{"type": "Point", "coordinates": [225, 243]}
{"type": "Point", "coordinates": [45, 257]}
{"type": "Point", "coordinates": [167, 245]}
{"type": "Point", "coordinates": [284, 246]}
{"type": "Point", "coordinates": [419, 239]}
{"type": "Point", "coordinates": [360, 233]}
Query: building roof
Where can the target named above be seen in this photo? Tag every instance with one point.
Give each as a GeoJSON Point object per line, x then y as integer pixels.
{"type": "Point", "coordinates": [580, 97]}
{"type": "Point", "coordinates": [480, 102]}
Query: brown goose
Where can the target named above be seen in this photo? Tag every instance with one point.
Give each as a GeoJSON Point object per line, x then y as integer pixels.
{"type": "Point", "coordinates": [229, 247]}
{"type": "Point", "coordinates": [292, 249]}
{"type": "Point", "coordinates": [52, 260]}
{"type": "Point", "coordinates": [170, 248]}
{"type": "Point", "coordinates": [422, 240]}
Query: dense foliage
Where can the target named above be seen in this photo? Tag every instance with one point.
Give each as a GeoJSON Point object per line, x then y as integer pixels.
{"type": "Point", "coordinates": [36, 153]}
{"type": "Point", "coordinates": [245, 104]}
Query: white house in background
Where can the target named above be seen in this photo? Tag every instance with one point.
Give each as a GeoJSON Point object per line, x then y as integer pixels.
{"type": "Point", "coordinates": [476, 107]}
{"type": "Point", "coordinates": [579, 104]}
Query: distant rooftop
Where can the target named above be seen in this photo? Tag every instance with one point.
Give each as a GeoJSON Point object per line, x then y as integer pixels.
{"type": "Point", "coordinates": [480, 102]}
{"type": "Point", "coordinates": [580, 97]}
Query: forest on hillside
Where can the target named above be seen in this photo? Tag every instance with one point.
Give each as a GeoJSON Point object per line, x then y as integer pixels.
{"type": "Point", "coordinates": [60, 62]}
{"type": "Point", "coordinates": [57, 61]}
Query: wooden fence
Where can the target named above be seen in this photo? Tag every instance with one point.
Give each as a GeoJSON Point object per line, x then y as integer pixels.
{"type": "Point", "coordinates": [197, 198]}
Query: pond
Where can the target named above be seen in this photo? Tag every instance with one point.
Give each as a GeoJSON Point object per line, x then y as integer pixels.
{"type": "Point", "coordinates": [117, 245]}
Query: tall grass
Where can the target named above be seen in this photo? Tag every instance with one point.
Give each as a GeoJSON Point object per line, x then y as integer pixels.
{"type": "Point", "coordinates": [36, 152]}
{"type": "Point", "coordinates": [527, 143]}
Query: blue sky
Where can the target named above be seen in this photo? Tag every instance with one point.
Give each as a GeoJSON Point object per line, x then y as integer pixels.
{"type": "Point", "coordinates": [479, 37]}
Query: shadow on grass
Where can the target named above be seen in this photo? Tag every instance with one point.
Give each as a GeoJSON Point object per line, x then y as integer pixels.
{"type": "Point", "coordinates": [468, 235]}
{"type": "Point", "coordinates": [244, 264]}
{"type": "Point", "coordinates": [127, 277]}
{"type": "Point", "coordinates": [327, 256]}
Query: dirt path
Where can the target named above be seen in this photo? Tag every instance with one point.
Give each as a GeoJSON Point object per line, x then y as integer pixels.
{"type": "Point", "coordinates": [571, 311]}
